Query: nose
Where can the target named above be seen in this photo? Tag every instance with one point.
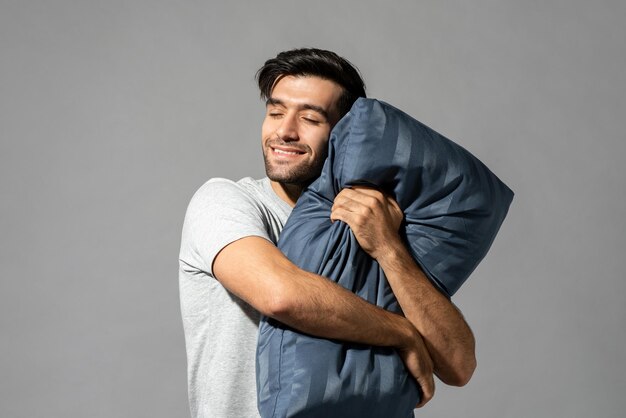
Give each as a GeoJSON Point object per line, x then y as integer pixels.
{"type": "Point", "coordinates": [288, 128]}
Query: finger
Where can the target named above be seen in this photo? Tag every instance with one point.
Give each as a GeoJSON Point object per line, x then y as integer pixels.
{"type": "Point", "coordinates": [378, 195]}
{"type": "Point", "coordinates": [357, 192]}
{"type": "Point", "coordinates": [369, 191]}
{"type": "Point", "coordinates": [381, 198]}
{"type": "Point", "coordinates": [378, 198]}
{"type": "Point", "coordinates": [352, 205]}
{"type": "Point", "coordinates": [344, 215]}
{"type": "Point", "coordinates": [427, 386]}
{"type": "Point", "coordinates": [392, 202]}
{"type": "Point", "coordinates": [396, 212]}
{"type": "Point", "coordinates": [368, 197]}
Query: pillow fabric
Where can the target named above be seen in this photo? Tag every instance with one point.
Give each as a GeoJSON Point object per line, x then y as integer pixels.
{"type": "Point", "coordinates": [453, 207]}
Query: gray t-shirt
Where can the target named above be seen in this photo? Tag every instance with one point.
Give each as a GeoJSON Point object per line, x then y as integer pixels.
{"type": "Point", "coordinates": [221, 329]}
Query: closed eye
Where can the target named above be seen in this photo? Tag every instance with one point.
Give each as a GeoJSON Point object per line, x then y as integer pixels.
{"type": "Point", "coordinates": [312, 121]}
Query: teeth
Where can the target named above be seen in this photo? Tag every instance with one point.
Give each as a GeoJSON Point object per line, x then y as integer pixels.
{"type": "Point", "coordinates": [279, 151]}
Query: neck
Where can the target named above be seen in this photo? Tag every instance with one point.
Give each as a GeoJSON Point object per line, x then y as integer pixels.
{"type": "Point", "coordinates": [288, 192]}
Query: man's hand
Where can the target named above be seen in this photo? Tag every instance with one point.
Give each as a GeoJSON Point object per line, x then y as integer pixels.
{"type": "Point", "coordinates": [418, 362]}
{"type": "Point", "coordinates": [373, 217]}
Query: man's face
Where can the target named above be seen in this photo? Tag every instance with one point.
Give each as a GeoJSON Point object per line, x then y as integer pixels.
{"type": "Point", "coordinates": [299, 117]}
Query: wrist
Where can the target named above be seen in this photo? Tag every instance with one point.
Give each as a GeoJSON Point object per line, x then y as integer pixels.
{"type": "Point", "coordinates": [390, 252]}
{"type": "Point", "coordinates": [406, 335]}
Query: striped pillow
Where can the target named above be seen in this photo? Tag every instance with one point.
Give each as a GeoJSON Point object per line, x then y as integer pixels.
{"type": "Point", "coordinates": [453, 207]}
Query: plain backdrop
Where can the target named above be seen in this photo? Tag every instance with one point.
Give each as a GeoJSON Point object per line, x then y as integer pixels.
{"type": "Point", "coordinates": [112, 113]}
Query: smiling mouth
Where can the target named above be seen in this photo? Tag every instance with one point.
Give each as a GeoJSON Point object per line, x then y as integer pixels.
{"type": "Point", "coordinates": [286, 152]}
{"type": "Point", "coordinates": [279, 151]}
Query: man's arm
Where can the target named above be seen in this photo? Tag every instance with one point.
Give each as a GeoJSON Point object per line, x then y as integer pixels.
{"type": "Point", "coordinates": [375, 219]}
{"type": "Point", "coordinates": [259, 273]}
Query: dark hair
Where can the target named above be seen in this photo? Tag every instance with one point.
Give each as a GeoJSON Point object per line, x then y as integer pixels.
{"type": "Point", "coordinates": [313, 62]}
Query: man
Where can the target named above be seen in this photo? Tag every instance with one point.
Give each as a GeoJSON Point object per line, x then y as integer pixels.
{"type": "Point", "coordinates": [231, 270]}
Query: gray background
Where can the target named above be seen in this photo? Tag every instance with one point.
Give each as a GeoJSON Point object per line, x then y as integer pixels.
{"type": "Point", "coordinates": [113, 113]}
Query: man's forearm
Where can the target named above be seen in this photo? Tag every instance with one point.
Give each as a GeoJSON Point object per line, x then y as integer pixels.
{"type": "Point", "coordinates": [446, 334]}
{"type": "Point", "coordinates": [256, 271]}
{"type": "Point", "coordinates": [375, 218]}
{"type": "Point", "coordinates": [318, 306]}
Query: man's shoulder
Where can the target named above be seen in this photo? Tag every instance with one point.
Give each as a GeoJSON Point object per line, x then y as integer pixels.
{"type": "Point", "coordinates": [224, 190]}
{"type": "Point", "coordinates": [222, 211]}
{"type": "Point", "coordinates": [246, 195]}
{"type": "Point", "coordinates": [248, 198]}
{"type": "Point", "coordinates": [219, 184]}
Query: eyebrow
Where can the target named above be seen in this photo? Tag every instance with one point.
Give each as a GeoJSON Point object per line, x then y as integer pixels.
{"type": "Point", "coordinates": [272, 101]}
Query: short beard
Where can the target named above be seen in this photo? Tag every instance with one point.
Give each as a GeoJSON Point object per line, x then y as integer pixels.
{"type": "Point", "coordinates": [300, 175]}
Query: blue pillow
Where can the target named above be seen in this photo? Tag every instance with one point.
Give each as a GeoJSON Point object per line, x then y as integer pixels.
{"type": "Point", "coordinates": [453, 207]}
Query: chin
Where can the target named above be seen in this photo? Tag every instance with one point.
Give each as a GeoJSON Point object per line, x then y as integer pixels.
{"type": "Point", "coordinates": [295, 177]}
{"type": "Point", "coordinates": [301, 174]}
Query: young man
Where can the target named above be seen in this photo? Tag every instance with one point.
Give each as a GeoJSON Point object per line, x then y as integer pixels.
{"type": "Point", "coordinates": [231, 271]}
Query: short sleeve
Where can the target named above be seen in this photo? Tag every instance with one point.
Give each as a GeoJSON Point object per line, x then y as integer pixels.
{"type": "Point", "coordinates": [219, 213]}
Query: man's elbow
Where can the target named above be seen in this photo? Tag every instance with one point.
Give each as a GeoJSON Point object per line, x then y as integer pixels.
{"type": "Point", "coordinates": [280, 305]}
{"type": "Point", "coordinates": [462, 374]}
{"type": "Point", "coordinates": [276, 308]}
{"type": "Point", "coordinates": [464, 363]}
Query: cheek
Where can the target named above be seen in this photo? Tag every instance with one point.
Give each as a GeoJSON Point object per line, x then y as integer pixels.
{"type": "Point", "coordinates": [266, 131]}
{"type": "Point", "coordinates": [320, 146]}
